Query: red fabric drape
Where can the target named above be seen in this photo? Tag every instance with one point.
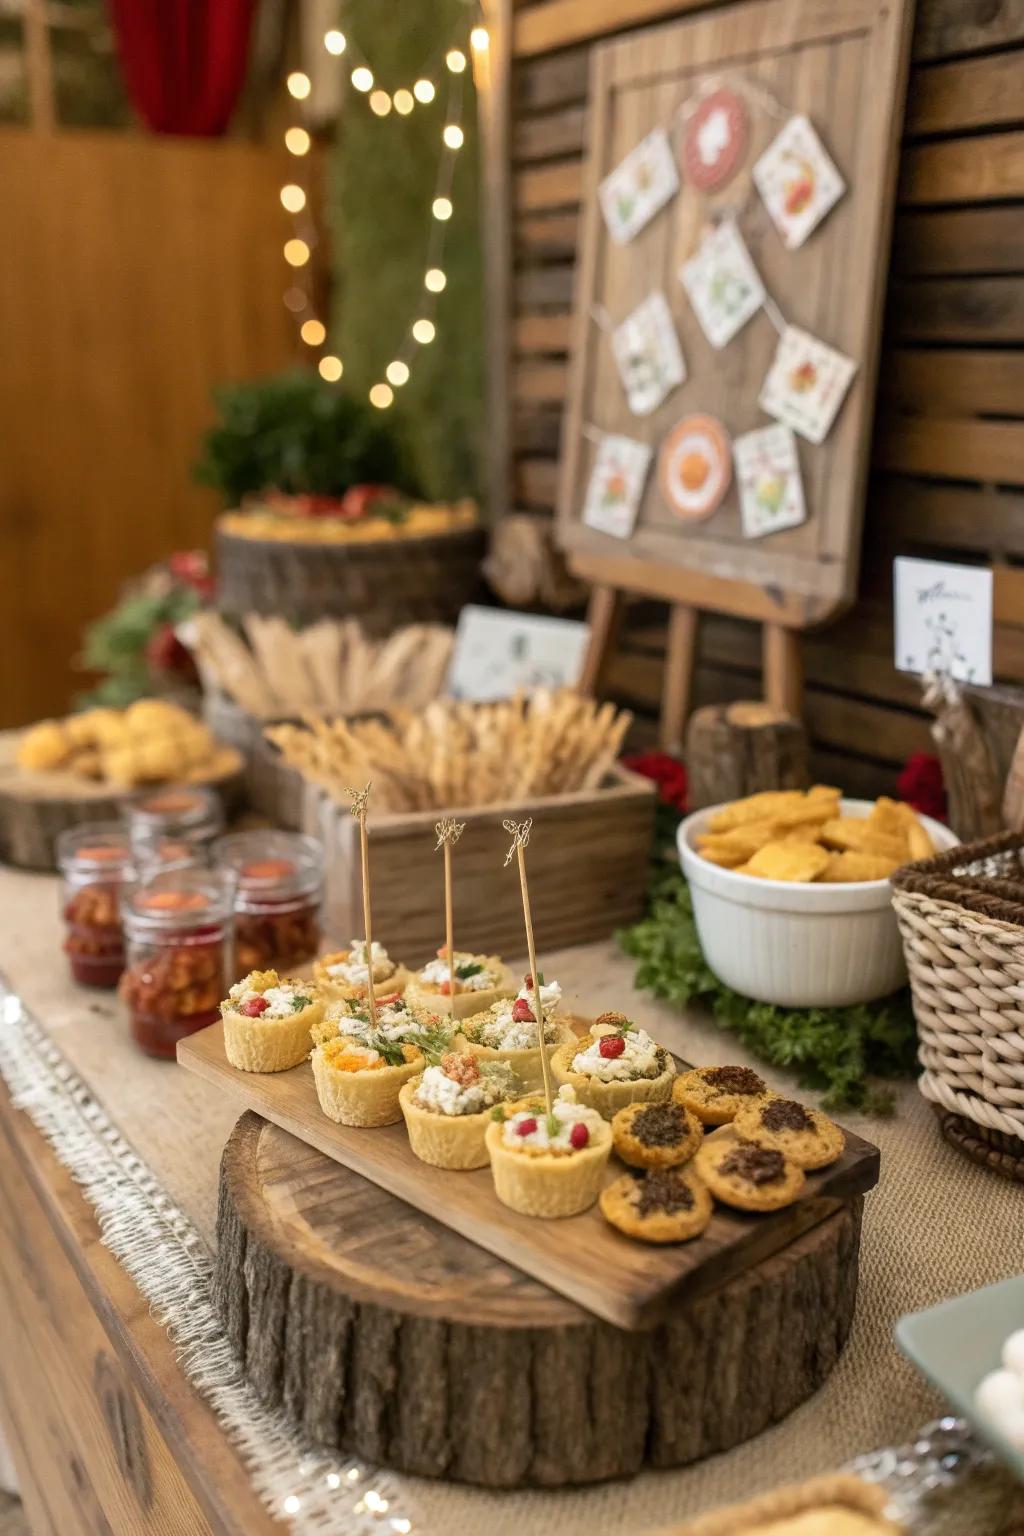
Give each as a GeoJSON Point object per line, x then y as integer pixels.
{"type": "Point", "coordinates": [183, 61]}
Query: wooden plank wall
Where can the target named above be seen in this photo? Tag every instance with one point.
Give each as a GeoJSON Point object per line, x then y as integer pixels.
{"type": "Point", "coordinates": [138, 273]}
{"type": "Point", "coordinates": [948, 457]}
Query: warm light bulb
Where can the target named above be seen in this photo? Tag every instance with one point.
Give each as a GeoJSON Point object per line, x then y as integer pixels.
{"type": "Point", "coordinates": [362, 78]}
{"type": "Point", "coordinates": [403, 101]}
{"type": "Point", "coordinates": [453, 136]}
{"type": "Point", "coordinates": [314, 333]}
{"type": "Point", "coordinates": [456, 60]}
{"type": "Point", "coordinates": [299, 85]}
{"type": "Point", "coordinates": [442, 208]}
{"type": "Point", "coordinates": [423, 91]}
{"type": "Point", "coordinates": [296, 253]}
{"type": "Point", "coordinates": [380, 103]}
{"type": "Point", "coordinates": [334, 41]}
{"type": "Point", "coordinates": [296, 141]}
{"type": "Point", "coordinates": [424, 331]}
{"type": "Point", "coordinates": [295, 300]}
{"type": "Point", "coordinates": [434, 279]}
{"type": "Point", "coordinates": [397, 372]}
{"type": "Point", "coordinates": [381, 396]}
{"type": "Point", "coordinates": [330, 368]}
{"type": "Point", "coordinates": [479, 39]}
{"type": "Point", "coordinates": [293, 198]}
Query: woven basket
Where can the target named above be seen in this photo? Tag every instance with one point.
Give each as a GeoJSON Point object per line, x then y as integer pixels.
{"type": "Point", "coordinates": [961, 918]}
{"type": "Point", "coordinates": [384, 585]}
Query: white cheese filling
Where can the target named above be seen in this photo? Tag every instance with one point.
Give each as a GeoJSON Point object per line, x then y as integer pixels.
{"type": "Point", "coordinates": [502, 1032]}
{"type": "Point", "coordinates": [281, 1000]}
{"type": "Point", "coordinates": [436, 972]}
{"type": "Point", "coordinates": [354, 969]}
{"type": "Point", "coordinates": [565, 1112]}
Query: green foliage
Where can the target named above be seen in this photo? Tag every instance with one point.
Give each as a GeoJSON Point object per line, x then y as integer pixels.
{"type": "Point", "coordinates": [382, 184]}
{"type": "Point", "coordinates": [294, 432]}
{"type": "Point", "coordinates": [116, 643]}
{"type": "Point", "coordinates": [838, 1050]}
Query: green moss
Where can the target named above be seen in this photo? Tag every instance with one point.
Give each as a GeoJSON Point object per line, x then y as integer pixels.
{"type": "Point", "coordinates": [382, 185]}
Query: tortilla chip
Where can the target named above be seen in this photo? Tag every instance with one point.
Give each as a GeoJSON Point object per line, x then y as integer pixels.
{"type": "Point", "coordinates": [856, 835]}
{"type": "Point", "coordinates": [842, 867]}
{"type": "Point", "coordinates": [919, 843]}
{"type": "Point", "coordinates": [788, 861]}
{"type": "Point", "coordinates": [765, 806]}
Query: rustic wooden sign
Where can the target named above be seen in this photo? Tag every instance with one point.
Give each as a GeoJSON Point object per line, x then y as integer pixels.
{"type": "Point", "coordinates": [844, 67]}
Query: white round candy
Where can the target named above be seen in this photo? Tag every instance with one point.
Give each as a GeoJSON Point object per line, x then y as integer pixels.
{"type": "Point", "coordinates": [1000, 1395]}
{"type": "Point", "coordinates": [1013, 1352]}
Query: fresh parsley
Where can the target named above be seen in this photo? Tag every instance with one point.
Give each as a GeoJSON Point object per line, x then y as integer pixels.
{"type": "Point", "coordinates": [298, 1003]}
{"type": "Point", "coordinates": [838, 1050]}
{"type": "Point", "coordinates": [554, 1126]}
{"type": "Point", "coordinates": [498, 1112]}
{"type": "Point", "coordinates": [391, 1050]}
{"type": "Point", "coordinates": [468, 968]}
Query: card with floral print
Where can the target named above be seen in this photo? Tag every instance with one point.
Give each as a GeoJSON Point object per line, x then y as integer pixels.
{"type": "Point", "coordinates": [639, 186]}
{"type": "Point", "coordinates": [616, 485]}
{"type": "Point", "coordinates": [768, 478]}
{"type": "Point", "coordinates": [723, 284]}
{"type": "Point", "coordinates": [797, 181]}
{"type": "Point", "coordinates": [648, 355]}
{"type": "Point", "coordinates": [806, 383]}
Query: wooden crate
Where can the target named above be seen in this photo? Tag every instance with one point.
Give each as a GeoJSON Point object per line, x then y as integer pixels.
{"type": "Point", "coordinates": [588, 861]}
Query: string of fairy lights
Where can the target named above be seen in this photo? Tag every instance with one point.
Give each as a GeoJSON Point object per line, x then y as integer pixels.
{"type": "Point", "coordinates": [446, 72]}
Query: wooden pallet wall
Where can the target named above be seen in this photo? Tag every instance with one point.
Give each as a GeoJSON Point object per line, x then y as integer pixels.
{"type": "Point", "coordinates": [948, 458]}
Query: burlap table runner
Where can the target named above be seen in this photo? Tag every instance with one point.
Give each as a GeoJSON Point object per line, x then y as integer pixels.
{"type": "Point", "coordinates": [935, 1227]}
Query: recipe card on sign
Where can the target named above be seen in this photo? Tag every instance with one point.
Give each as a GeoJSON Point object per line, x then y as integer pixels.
{"type": "Point", "coordinates": [943, 619]}
{"type": "Point", "coordinates": [498, 652]}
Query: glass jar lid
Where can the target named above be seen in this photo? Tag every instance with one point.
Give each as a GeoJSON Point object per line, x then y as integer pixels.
{"type": "Point", "coordinates": [181, 810]}
{"type": "Point", "coordinates": [178, 901]}
{"type": "Point", "coordinates": [271, 867]}
{"type": "Point", "coordinates": [99, 849]}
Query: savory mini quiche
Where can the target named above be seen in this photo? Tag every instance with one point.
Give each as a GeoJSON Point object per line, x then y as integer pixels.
{"type": "Point", "coordinates": [448, 1109]}
{"type": "Point", "coordinates": [267, 1022]}
{"type": "Point", "coordinates": [548, 1165]}
{"type": "Point", "coordinates": [614, 1065]}
{"type": "Point", "coordinates": [480, 980]}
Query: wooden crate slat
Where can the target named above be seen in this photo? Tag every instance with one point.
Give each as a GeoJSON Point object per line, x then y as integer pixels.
{"type": "Point", "coordinates": [980, 239]}
{"type": "Point", "coordinates": [538, 429]}
{"type": "Point", "coordinates": [957, 450]}
{"type": "Point", "coordinates": [543, 28]}
{"type": "Point", "coordinates": [960, 517]}
{"type": "Point", "coordinates": [542, 334]}
{"type": "Point", "coordinates": [971, 170]}
{"type": "Point", "coordinates": [540, 84]}
{"type": "Point", "coordinates": [549, 136]}
{"type": "Point", "coordinates": [958, 309]}
{"type": "Point", "coordinates": [945, 27]}
{"type": "Point", "coordinates": [548, 186]}
{"type": "Point", "coordinates": [954, 383]}
{"type": "Point", "coordinates": [969, 93]}
{"type": "Point", "coordinates": [548, 236]}
{"type": "Point", "coordinates": [544, 287]}
{"type": "Point", "coordinates": [539, 382]}
{"type": "Point", "coordinates": [536, 482]}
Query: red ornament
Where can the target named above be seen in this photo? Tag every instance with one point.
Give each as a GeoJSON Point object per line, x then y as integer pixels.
{"type": "Point", "coordinates": [254, 1007]}
{"type": "Point", "coordinates": [522, 1012]}
{"type": "Point", "coordinates": [611, 1046]}
{"type": "Point", "coordinates": [667, 773]}
{"type": "Point", "coordinates": [715, 140]}
{"type": "Point", "coordinates": [921, 785]}
{"type": "Point", "coordinates": [579, 1135]}
{"type": "Point", "coordinates": [165, 653]}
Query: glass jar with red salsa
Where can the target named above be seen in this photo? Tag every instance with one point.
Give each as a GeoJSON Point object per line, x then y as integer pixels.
{"type": "Point", "coordinates": [179, 932]}
{"type": "Point", "coordinates": [279, 880]}
{"type": "Point", "coordinates": [95, 863]}
{"type": "Point", "coordinates": [177, 825]}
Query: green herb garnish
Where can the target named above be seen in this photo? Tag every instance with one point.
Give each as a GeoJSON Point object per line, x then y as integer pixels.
{"type": "Point", "coordinates": [498, 1112]}
{"type": "Point", "coordinates": [468, 968]}
{"type": "Point", "coordinates": [554, 1126]}
{"type": "Point", "coordinates": [838, 1050]}
{"type": "Point", "coordinates": [391, 1050]}
{"type": "Point", "coordinates": [298, 1003]}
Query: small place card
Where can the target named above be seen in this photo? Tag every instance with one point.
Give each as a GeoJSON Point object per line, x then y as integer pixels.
{"type": "Point", "coordinates": [806, 383]}
{"type": "Point", "coordinates": [768, 477]}
{"type": "Point", "coordinates": [497, 653]}
{"type": "Point", "coordinates": [943, 619]}
{"type": "Point", "coordinates": [797, 181]}
{"type": "Point", "coordinates": [648, 355]}
{"type": "Point", "coordinates": [639, 186]}
{"type": "Point", "coordinates": [616, 485]}
{"type": "Point", "coordinates": [724, 286]}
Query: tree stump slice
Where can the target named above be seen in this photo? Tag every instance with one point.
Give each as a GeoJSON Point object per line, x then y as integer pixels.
{"type": "Point", "coordinates": [386, 1335]}
{"type": "Point", "coordinates": [734, 750]}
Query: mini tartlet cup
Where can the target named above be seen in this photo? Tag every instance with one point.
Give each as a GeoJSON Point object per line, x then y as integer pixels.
{"type": "Point", "coordinates": [269, 1045]}
{"type": "Point", "coordinates": [336, 988]}
{"type": "Point", "coordinates": [446, 1141]}
{"type": "Point", "coordinates": [542, 1183]}
{"type": "Point", "coordinates": [423, 994]}
{"type": "Point", "coordinates": [365, 1098]}
{"type": "Point", "coordinates": [525, 1063]}
{"type": "Point", "coordinates": [609, 1098]}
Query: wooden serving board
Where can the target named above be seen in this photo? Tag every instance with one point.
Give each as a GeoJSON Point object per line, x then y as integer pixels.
{"type": "Point", "coordinates": [625, 1282]}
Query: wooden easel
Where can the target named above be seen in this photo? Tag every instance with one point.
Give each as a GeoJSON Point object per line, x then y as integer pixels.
{"type": "Point", "coordinates": [781, 660]}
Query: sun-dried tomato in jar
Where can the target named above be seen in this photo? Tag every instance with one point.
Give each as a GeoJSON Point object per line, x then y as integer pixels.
{"type": "Point", "coordinates": [95, 863]}
{"type": "Point", "coordinates": [177, 825]}
{"type": "Point", "coordinates": [279, 888]}
{"type": "Point", "coordinates": [178, 927]}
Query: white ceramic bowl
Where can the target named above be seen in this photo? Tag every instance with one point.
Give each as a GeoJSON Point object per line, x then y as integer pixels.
{"type": "Point", "coordinates": [797, 945]}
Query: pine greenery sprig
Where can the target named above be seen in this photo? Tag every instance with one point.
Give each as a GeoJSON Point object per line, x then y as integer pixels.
{"type": "Point", "coordinates": [838, 1050]}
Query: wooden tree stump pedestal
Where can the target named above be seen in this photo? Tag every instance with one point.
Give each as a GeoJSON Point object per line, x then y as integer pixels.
{"type": "Point", "coordinates": [733, 750]}
{"type": "Point", "coordinates": [389, 1336]}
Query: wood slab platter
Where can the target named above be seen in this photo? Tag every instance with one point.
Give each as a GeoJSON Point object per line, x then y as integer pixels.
{"type": "Point", "coordinates": [626, 1283]}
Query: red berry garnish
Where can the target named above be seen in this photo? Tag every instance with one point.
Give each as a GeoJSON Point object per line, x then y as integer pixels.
{"type": "Point", "coordinates": [579, 1135]}
{"type": "Point", "coordinates": [445, 988]}
{"type": "Point", "coordinates": [611, 1046]}
{"type": "Point", "coordinates": [254, 1007]}
{"type": "Point", "coordinates": [522, 1012]}
{"type": "Point", "coordinates": [526, 1127]}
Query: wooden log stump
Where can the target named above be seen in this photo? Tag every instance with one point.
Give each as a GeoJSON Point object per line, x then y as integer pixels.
{"type": "Point", "coordinates": [734, 750]}
{"type": "Point", "coordinates": [389, 1336]}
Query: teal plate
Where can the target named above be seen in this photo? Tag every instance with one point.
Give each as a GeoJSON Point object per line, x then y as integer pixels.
{"type": "Point", "coordinates": [958, 1342]}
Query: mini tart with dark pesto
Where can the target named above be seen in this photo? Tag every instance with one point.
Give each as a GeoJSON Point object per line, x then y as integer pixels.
{"type": "Point", "coordinates": [656, 1135]}
{"type": "Point", "coordinates": [804, 1135]}
{"type": "Point", "coordinates": [358, 1080]}
{"type": "Point", "coordinates": [746, 1177]}
{"type": "Point", "coordinates": [614, 1065]}
{"type": "Point", "coordinates": [661, 1205]}
{"type": "Point", "coordinates": [717, 1094]}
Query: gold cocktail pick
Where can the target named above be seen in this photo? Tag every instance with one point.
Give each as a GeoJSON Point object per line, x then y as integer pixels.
{"type": "Point", "coordinates": [519, 831]}
{"type": "Point", "coordinates": [448, 832]}
{"type": "Point", "coordinates": [359, 799]}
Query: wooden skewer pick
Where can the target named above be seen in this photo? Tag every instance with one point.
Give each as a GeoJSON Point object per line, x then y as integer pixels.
{"type": "Point", "coordinates": [358, 808]}
{"type": "Point", "coordinates": [520, 834]}
{"type": "Point", "coordinates": [448, 833]}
